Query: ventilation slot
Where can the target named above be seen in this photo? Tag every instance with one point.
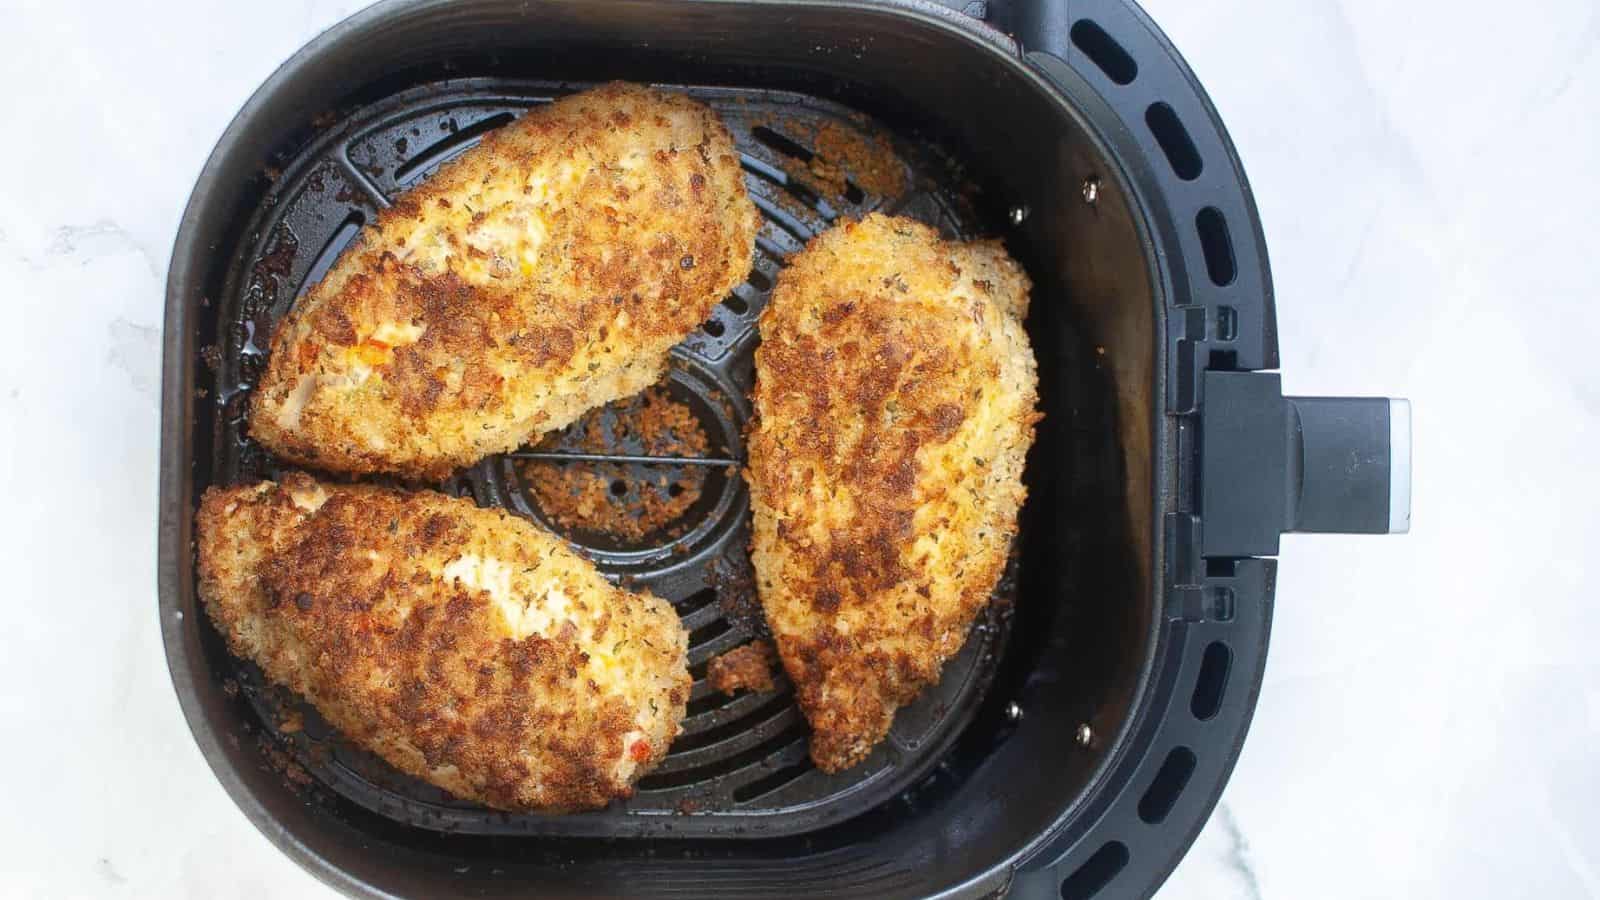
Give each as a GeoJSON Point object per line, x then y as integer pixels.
{"type": "Point", "coordinates": [1104, 52]}
{"type": "Point", "coordinates": [664, 780]}
{"type": "Point", "coordinates": [1227, 323]}
{"type": "Point", "coordinates": [713, 328]}
{"type": "Point", "coordinates": [1213, 681]}
{"type": "Point", "coordinates": [695, 602]}
{"type": "Point", "coordinates": [808, 198]}
{"type": "Point", "coordinates": [457, 142]}
{"type": "Point", "coordinates": [766, 784]}
{"type": "Point", "coordinates": [712, 701]}
{"type": "Point", "coordinates": [1174, 140]}
{"type": "Point", "coordinates": [1216, 245]}
{"type": "Point", "coordinates": [1096, 872]}
{"type": "Point", "coordinates": [1219, 604]}
{"type": "Point", "coordinates": [772, 710]}
{"type": "Point", "coordinates": [342, 236]}
{"type": "Point", "coordinates": [760, 280]}
{"type": "Point", "coordinates": [1169, 782]}
{"type": "Point", "coordinates": [710, 632]}
{"type": "Point", "coordinates": [781, 143]}
{"type": "Point", "coordinates": [736, 305]}
{"type": "Point", "coordinates": [788, 232]}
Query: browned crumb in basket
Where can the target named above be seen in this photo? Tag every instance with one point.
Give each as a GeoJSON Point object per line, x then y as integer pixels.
{"type": "Point", "coordinates": [733, 577]}
{"type": "Point", "coordinates": [747, 667]}
{"type": "Point", "coordinates": [291, 722]}
{"type": "Point", "coordinates": [281, 762]}
{"type": "Point", "coordinates": [624, 501]}
{"type": "Point", "coordinates": [869, 161]}
{"type": "Point", "coordinates": [842, 156]}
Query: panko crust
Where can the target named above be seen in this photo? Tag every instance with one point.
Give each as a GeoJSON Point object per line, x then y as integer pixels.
{"type": "Point", "coordinates": [544, 272]}
{"type": "Point", "coordinates": [895, 404]}
{"type": "Point", "coordinates": [464, 646]}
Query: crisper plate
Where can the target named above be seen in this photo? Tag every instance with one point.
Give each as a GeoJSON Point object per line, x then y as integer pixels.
{"type": "Point", "coordinates": [676, 527]}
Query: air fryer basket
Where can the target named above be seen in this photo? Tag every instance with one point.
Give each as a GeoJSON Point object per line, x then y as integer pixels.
{"type": "Point", "coordinates": [740, 765]}
{"type": "Point", "coordinates": [1077, 743]}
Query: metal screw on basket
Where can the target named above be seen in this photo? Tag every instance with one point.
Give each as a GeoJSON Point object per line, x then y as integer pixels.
{"type": "Point", "coordinates": [1091, 189]}
{"type": "Point", "coordinates": [1018, 214]}
{"type": "Point", "coordinates": [1013, 711]}
{"type": "Point", "coordinates": [1085, 735]}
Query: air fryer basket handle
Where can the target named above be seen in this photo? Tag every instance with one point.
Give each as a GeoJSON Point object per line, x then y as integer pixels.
{"type": "Point", "coordinates": [1352, 457]}
{"type": "Point", "coordinates": [1271, 464]}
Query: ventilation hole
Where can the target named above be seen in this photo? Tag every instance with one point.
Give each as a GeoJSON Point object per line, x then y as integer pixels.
{"type": "Point", "coordinates": [1221, 567]}
{"type": "Point", "coordinates": [1227, 323]}
{"type": "Point", "coordinates": [736, 305]}
{"type": "Point", "coordinates": [457, 142]}
{"type": "Point", "coordinates": [1174, 140]}
{"type": "Point", "coordinates": [759, 280]}
{"type": "Point", "coordinates": [1219, 604]}
{"type": "Point", "coordinates": [702, 705]}
{"type": "Point", "coordinates": [618, 488]}
{"type": "Point", "coordinates": [1104, 52]}
{"type": "Point", "coordinates": [713, 328]}
{"type": "Point", "coordinates": [709, 631]}
{"type": "Point", "coordinates": [723, 766]}
{"type": "Point", "coordinates": [811, 199]}
{"type": "Point", "coordinates": [1096, 872]}
{"type": "Point", "coordinates": [852, 193]}
{"type": "Point", "coordinates": [1224, 360]}
{"type": "Point", "coordinates": [1213, 681]}
{"type": "Point", "coordinates": [696, 601]}
{"type": "Point", "coordinates": [1216, 244]}
{"type": "Point", "coordinates": [342, 236]}
{"type": "Point", "coordinates": [766, 784]}
{"type": "Point", "coordinates": [1169, 782]}
{"type": "Point", "coordinates": [748, 721]}
{"type": "Point", "coordinates": [780, 143]}
{"type": "Point", "coordinates": [791, 241]}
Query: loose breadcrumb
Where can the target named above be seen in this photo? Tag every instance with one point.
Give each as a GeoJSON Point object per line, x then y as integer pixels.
{"type": "Point", "coordinates": [622, 500]}
{"type": "Point", "coordinates": [744, 668]}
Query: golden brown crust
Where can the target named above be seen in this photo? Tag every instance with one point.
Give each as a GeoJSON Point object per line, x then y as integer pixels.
{"type": "Point", "coordinates": [747, 667]}
{"type": "Point", "coordinates": [895, 394]}
{"type": "Point", "coordinates": [544, 272]}
{"type": "Point", "coordinates": [463, 645]}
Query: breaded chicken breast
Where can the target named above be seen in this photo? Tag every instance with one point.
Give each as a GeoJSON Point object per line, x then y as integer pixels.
{"type": "Point", "coordinates": [465, 646]}
{"type": "Point", "coordinates": [895, 394]}
{"type": "Point", "coordinates": [545, 271]}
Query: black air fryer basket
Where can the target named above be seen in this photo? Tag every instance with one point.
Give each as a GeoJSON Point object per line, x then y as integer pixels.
{"type": "Point", "coordinates": [1078, 742]}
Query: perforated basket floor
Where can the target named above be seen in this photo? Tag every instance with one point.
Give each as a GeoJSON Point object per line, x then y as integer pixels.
{"type": "Point", "coordinates": [740, 767]}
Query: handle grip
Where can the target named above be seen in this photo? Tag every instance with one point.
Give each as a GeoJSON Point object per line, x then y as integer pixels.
{"type": "Point", "coordinates": [1350, 464]}
{"type": "Point", "coordinates": [1271, 464]}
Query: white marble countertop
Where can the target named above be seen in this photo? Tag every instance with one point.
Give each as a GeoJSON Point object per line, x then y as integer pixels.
{"type": "Point", "coordinates": [1426, 172]}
